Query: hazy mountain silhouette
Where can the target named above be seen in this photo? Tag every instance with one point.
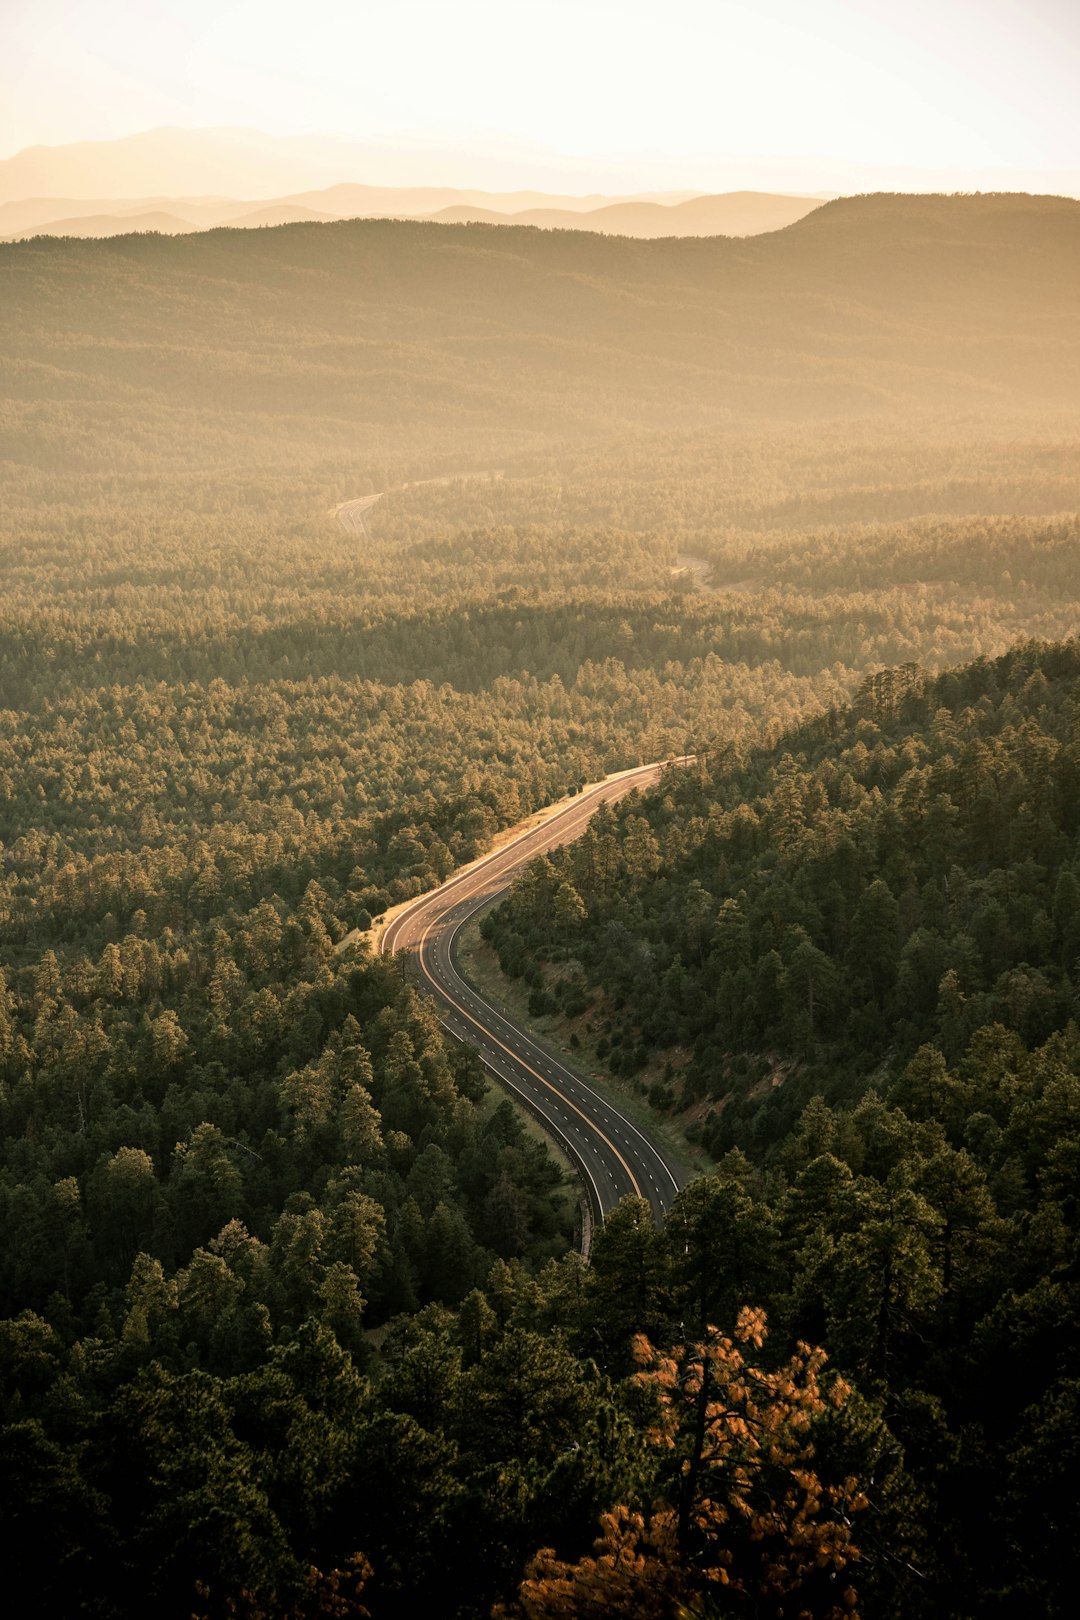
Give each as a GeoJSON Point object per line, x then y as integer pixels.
{"type": "Point", "coordinates": [33, 214]}
{"type": "Point", "coordinates": [740, 213]}
{"type": "Point", "coordinates": [239, 162]}
{"type": "Point", "coordinates": [736, 213]}
{"type": "Point", "coordinates": [247, 163]}
{"type": "Point", "coordinates": [354, 201]}
{"type": "Point", "coordinates": [93, 225]}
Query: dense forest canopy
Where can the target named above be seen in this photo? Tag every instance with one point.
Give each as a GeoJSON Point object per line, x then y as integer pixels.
{"type": "Point", "coordinates": [282, 1274]}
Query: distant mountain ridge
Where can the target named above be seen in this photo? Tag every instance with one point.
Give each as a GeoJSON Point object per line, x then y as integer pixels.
{"type": "Point", "coordinates": [739, 213]}
{"type": "Point", "coordinates": [735, 213]}
{"type": "Point", "coordinates": [250, 164]}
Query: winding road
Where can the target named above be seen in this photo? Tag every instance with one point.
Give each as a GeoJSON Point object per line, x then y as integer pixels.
{"type": "Point", "coordinates": [613, 1157]}
{"type": "Point", "coordinates": [352, 515]}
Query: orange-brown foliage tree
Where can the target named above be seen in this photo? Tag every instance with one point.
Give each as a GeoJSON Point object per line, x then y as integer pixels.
{"type": "Point", "coordinates": [746, 1525]}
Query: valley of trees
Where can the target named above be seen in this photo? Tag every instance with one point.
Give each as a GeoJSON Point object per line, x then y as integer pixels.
{"type": "Point", "coordinates": [291, 1320]}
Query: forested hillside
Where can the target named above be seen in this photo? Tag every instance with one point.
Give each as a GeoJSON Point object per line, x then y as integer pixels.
{"type": "Point", "coordinates": [391, 338]}
{"type": "Point", "coordinates": [859, 952]}
{"type": "Point", "coordinates": [291, 1318]}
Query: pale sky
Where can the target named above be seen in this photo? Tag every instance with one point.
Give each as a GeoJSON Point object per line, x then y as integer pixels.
{"type": "Point", "coordinates": [941, 84]}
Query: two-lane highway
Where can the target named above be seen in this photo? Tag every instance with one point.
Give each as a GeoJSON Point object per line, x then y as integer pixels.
{"type": "Point", "coordinates": [613, 1156]}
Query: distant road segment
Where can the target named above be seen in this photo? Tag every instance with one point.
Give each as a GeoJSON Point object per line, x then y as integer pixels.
{"type": "Point", "coordinates": [352, 515]}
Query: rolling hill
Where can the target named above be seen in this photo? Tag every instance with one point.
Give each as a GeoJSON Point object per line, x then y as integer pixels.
{"type": "Point", "coordinates": [480, 336]}
{"type": "Point", "coordinates": [735, 213]}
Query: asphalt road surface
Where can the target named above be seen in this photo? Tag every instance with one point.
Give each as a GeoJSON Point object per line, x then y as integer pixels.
{"type": "Point", "coordinates": [614, 1158]}
{"type": "Point", "coordinates": [352, 514]}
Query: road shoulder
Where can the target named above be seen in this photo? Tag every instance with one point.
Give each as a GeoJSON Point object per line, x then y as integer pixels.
{"type": "Point", "coordinates": [478, 965]}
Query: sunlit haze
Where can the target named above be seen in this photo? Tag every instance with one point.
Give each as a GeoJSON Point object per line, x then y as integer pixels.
{"type": "Point", "coordinates": [701, 93]}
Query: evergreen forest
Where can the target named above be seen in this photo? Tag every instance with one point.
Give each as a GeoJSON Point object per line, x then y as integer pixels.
{"type": "Point", "coordinates": [293, 1319]}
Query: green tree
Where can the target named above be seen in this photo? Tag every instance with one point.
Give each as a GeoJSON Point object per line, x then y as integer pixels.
{"type": "Point", "coordinates": [628, 1286]}
{"type": "Point", "coordinates": [721, 1246]}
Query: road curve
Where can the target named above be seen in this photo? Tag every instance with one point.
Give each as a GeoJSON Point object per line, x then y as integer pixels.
{"type": "Point", "coordinates": [352, 515]}
{"type": "Point", "coordinates": [614, 1158]}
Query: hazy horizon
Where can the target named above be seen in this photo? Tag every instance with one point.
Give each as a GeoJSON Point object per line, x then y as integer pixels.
{"type": "Point", "coordinates": [978, 95]}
